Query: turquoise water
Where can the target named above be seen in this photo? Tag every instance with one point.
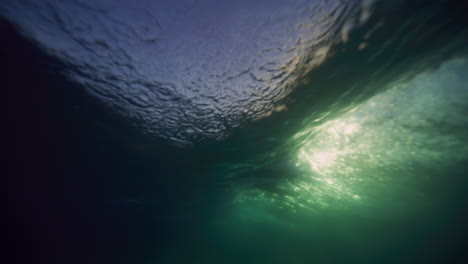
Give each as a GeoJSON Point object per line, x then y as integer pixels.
{"type": "Point", "coordinates": [355, 152]}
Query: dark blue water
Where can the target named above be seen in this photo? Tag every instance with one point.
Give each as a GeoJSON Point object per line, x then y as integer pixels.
{"type": "Point", "coordinates": [216, 132]}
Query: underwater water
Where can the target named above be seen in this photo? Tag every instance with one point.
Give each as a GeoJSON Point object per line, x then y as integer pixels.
{"type": "Point", "coordinates": [218, 132]}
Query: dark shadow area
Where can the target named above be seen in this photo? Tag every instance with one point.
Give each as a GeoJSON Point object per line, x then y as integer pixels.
{"type": "Point", "coordinates": [81, 188]}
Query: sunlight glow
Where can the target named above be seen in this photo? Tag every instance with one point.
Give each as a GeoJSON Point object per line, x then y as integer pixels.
{"type": "Point", "coordinates": [372, 157]}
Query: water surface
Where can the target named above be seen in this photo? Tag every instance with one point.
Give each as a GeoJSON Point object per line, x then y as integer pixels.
{"type": "Point", "coordinates": [282, 132]}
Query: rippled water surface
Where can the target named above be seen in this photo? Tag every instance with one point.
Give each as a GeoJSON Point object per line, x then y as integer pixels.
{"type": "Point", "coordinates": [236, 132]}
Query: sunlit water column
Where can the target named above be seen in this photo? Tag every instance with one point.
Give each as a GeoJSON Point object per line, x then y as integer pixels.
{"type": "Point", "coordinates": [379, 157]}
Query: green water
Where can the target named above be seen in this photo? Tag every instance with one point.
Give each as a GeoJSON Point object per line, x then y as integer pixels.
{"type": "Point", "coordinates": [364, 161]}
{"type": "Point", "coordinates": [378, 157]}
{"type": "Point", "coordinates": [380, 183]}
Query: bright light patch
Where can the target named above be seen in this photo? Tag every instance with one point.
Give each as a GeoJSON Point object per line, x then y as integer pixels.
{"type": "Point", "coordinates": [329, 145]}
{"type": "Point", "coordinates": [319, 160]}
{"type": "Point", "coordinates": [379, 155]}
{"type": "Point", "coordinates": [323, 158]}
{"type": "Point", "coordinates": [326, 155]}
